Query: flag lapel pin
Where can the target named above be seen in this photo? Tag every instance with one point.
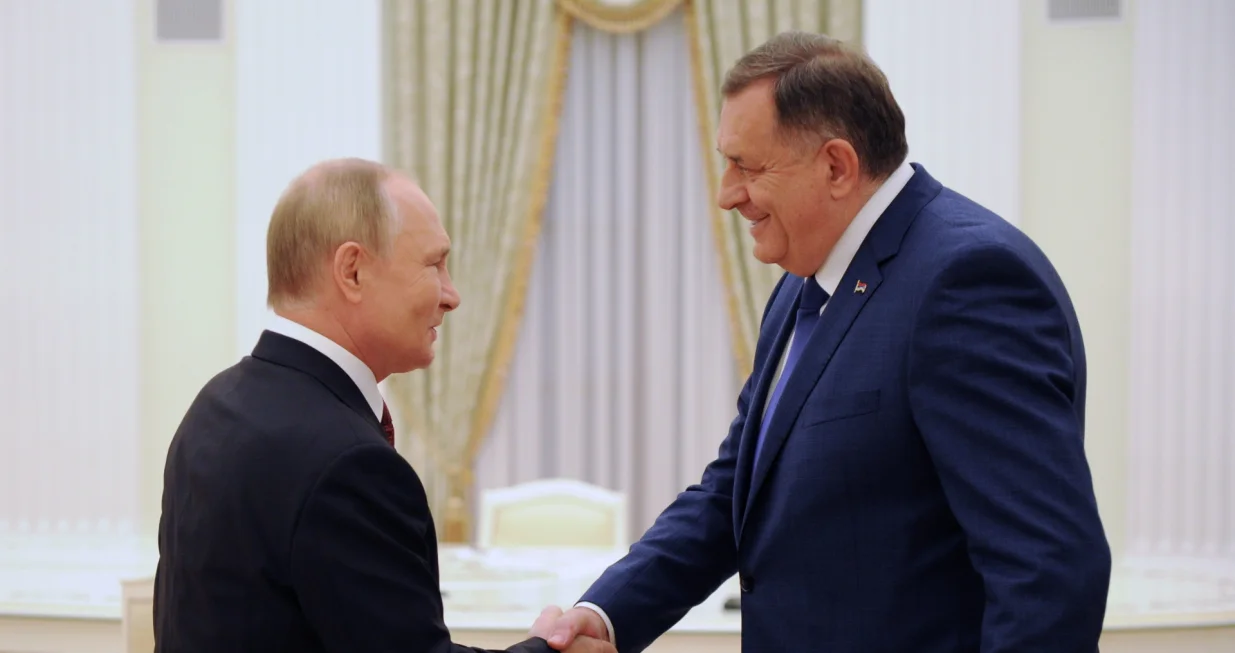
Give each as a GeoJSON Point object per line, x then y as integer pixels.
{"type": "Point", "coordinates": [860, 288]}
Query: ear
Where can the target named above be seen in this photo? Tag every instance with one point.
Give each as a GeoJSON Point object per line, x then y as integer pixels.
{"type": "Point", "coordinates": [844, 172]}
{"type": "Point", "coordinates": [345, 270]}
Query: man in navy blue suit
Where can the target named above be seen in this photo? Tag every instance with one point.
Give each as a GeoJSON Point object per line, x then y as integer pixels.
{"type": "Point", "coordinates": [906, 471]}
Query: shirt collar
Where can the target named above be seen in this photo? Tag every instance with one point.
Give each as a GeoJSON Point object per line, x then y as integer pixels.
{"type": "Point", "coordinates": [355, 368]}
{"type": "Point", "coordinates": [838, 260]}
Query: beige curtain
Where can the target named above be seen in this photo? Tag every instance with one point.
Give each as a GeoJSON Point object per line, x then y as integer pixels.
{"type": "Point", "coordinates": [473, 94]}
{"type": "Point", "coordinates": [721, 32]}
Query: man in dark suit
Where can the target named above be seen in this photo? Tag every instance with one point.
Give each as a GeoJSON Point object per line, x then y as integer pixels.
{"type": "Point", "coordinates": [290, 523]}
{"type": "Point", "coordinates": [906, 470]}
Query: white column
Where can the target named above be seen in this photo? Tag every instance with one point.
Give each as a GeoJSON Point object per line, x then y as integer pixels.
{"type": "Point", "coordinates": [308, 88]}
{"type": "Point", "coordinates": [1182, 419]}
{"type": "Point", "coordinates": [68, 224]}
{"type": "Point", "coordinates": [954, 69]}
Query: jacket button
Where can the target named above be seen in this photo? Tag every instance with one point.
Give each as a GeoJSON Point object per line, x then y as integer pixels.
{"type": "Point", "coordinates": [746, 583]}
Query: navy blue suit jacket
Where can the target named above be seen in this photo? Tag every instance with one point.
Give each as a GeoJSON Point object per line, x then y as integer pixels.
{"type": "Point", "coordinates": [923, 485]}
{"type": "Point", "coordinates": [289, 524]}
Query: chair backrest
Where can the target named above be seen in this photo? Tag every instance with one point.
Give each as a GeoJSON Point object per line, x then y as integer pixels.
{"type": "Point", "coordinates": [137, 615]}
{"type": "Point", "coordinates": [556, 512]}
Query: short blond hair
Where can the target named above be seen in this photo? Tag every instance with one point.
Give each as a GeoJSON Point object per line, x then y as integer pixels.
{"type": "Point", "coordinates": [332, 203]}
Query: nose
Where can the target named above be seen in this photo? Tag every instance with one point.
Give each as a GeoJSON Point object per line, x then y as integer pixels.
{"type": "Point", "coordinates": [450, 295]}
{"type": "Point", "coordinates": [732, 190]}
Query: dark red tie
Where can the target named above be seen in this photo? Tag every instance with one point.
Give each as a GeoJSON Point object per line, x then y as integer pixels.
{"type": "Point", "coordinates": [388, 425]}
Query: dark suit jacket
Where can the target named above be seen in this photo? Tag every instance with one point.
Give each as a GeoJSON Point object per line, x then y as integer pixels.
{"type": "Point", "coordinates": [289, 524]}
{"type": "Point", "coordinates": [923, 484]}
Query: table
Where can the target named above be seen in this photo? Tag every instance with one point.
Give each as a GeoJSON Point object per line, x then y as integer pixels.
{"type": "Point", "coordinates": [61, 595]}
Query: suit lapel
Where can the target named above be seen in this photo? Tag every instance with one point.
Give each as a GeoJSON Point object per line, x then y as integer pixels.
{"type": "Point", "coordinates": [281, 350]}
{"type": "Point", "coordinates": [841, 310]}
{"type": "Point", "coordinates": [856, 288]}
{"type": "Point", "coordinates": [781, 316]}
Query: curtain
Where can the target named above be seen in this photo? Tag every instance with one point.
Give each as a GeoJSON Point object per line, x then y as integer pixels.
{"type": "Point", "coordinates": [473, 89]}
{"type": "Point", "coordinates": [623, 375]}
{"type": "Point", "coordinates": [721, 31]}
{"type": "Point", "coordinates": [619, 16]}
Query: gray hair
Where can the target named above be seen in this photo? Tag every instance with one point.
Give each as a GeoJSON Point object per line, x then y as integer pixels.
{"type": "Point", "coordinates": [823, 86]}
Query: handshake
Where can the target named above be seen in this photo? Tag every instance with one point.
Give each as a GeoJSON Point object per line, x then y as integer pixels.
{"type": "Point", "coordinates": [578, 630]}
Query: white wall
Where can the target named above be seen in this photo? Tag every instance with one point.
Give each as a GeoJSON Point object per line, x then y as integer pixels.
{"type": "Point", "coordinates": [1076, 192]}
{"type": "Point", "coordinates": [1182, 419]}
{"type": "Point", "coordinates": [186, 99]}
{"type": "Point", "coordinates": [954, 67]}
{"type": "Point", "coordinates": [308, 88]}
{"type": "Point", "coordinates": [69, 229]}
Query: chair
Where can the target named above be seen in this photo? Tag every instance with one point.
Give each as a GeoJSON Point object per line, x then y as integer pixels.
{"type": "Point", "coordinates": [137, 616]}
{"type": "Point", "coordinates": [552, 513]}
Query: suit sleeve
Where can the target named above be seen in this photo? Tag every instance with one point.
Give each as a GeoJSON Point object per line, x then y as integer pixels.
{"type": "Point", "coordinates": [993, 388]}
{"type": "Point", "coordinates": [686, 554]}
{"type": "Point", "coordinates": [361, 563]}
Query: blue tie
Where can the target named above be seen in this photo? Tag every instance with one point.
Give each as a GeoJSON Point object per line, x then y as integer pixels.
{"type": "Point", "coordinates": [810, 303]}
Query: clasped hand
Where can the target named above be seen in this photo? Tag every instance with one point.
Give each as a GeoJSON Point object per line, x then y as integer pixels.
{"type": "Point", "coordinates": [578, 630]}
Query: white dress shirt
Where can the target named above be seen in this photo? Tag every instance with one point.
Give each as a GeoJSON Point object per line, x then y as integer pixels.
{"type": "Point", "coordinates": [828, 276]}
{"type": "Point", "coordinates": [360, 373]}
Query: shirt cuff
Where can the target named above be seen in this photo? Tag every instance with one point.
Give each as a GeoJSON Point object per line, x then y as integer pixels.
{"type": "Point", "coordinates": [604, 617]}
